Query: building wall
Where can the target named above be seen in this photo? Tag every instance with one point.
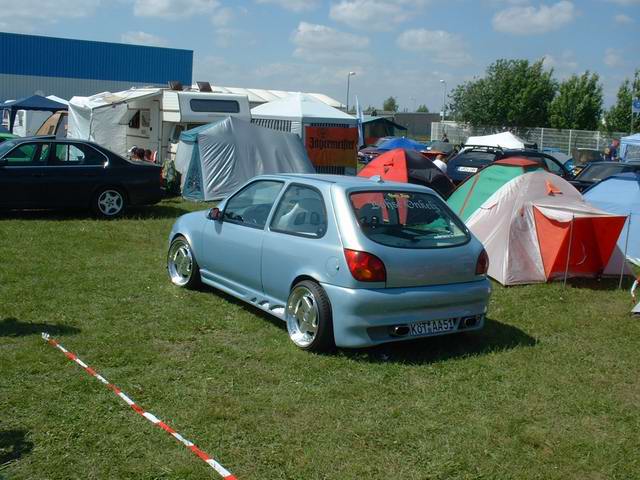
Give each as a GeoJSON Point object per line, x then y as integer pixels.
{"type": "Point", "coordinates": [13, 87]}
{"type": "Point", "coordinates": [418, 124]}
{"type": "Point", "coordinates": [64, 67]}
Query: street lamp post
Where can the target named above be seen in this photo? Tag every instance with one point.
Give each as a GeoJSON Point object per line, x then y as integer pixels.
{"type": "Point", "coordinates": [348, 81]}
{"type": "Point", "coordinates": [444, 99]}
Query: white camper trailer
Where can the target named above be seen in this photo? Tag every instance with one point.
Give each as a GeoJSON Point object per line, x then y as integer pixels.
{"type": "Point", "coordinates": [149, 118]}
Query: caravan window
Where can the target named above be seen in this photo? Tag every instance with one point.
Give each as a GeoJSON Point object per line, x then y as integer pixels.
{"type": "Point", "coordinates": [218, 106]}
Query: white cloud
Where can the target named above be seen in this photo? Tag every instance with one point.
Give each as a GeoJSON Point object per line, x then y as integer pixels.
{"type": "Point", "coordinates": [626, 3]}
{"type": "Point", "coordinates": [442, 47]}
{"type": "Point", "coordinates": [293, 5]}
{"type": "Point", "coordinates": [376, 14]}
{"type": "Point", "coordinates": [319, 43]}
{"type": "Point", "coordinates": [23, 15]}
{"type": "Point", "coordinates": [174, 9]}
{"type": "Point", "coordinates": [529, 20]}
{"type": "Point", "coordinates": [222, 17]}
{"type": "Point", "coordinates": [623, 19]}
{"type": "Point", "coordinates": [143, 38]}
{"type": "Point", "coordinates": [564, 65]}
{"type": "Point", "coordinates": [613, 58]}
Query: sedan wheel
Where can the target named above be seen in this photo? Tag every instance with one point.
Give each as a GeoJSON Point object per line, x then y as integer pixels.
{"type": "Point", "coordinates": [181, 264]}
{"type": "Point", "coordinates": [308, 317]}
{"type": "Point", "coordinates": [109, 203]}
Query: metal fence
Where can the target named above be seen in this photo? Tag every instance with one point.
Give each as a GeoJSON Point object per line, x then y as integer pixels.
{"type": "Point", "coordinates": [564, 140]}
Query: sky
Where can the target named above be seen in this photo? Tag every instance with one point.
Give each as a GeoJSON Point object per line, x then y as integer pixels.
{"type": "Point", "coordinates": [400, 48]}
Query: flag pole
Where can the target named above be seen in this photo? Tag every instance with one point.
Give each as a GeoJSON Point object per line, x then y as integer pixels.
{"type": "Point", "coordinates": [626, 247]}
{"type": "Point", "coordinates": [566, 269]}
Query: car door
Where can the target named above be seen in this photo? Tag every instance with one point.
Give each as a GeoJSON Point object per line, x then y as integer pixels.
{"type": "Point", "coordinates": [22, 176]}
{"type": "Point", "coordinates": [75, 171]}
{"type": "Point", "coordinates": [299, 241]}
{"type": "Point", "coordinates": [231, 249]}
{"type": "Point", "coordinates": [556, 167]}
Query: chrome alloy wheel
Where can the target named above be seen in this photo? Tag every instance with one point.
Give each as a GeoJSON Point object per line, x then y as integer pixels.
{"type": "Point", "coordinates": [302, 316]}
{"type": "Point", "coordinates": [110, 203]}
{"type": "Point", "coordinates": [180, 262]}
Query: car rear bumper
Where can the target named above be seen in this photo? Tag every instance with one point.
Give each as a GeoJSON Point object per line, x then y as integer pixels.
{"type": "Point", "coordinates": [366, 317]}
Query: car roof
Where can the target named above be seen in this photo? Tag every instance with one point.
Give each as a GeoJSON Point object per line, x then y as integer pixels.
{"type": "Point", "coordinates": [342, 181]}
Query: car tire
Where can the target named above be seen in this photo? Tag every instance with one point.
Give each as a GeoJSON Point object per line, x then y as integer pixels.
{"type": "Point", "coordinates": [182, 266]}
{"type": "Point", "coordinates": [109, 202]}
{"type": "Point", "coordinates": [309, 318]}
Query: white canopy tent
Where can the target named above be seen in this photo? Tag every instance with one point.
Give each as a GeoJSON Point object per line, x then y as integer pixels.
{"type": "Point", "coordinates": [502, 140]}
{"type": "Point", "coordinates": [103, 118]}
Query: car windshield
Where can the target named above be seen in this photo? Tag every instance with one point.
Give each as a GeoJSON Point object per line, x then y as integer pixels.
{"type": "Point", "coordinates": [597, 172]}
{"type": "Point", "coordinates": [407, 219]}
{"type": "Point", "coordinates": [6, 146]}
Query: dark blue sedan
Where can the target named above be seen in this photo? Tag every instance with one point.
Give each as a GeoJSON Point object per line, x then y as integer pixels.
{"type": "Point", "coordinates": [51, 173]}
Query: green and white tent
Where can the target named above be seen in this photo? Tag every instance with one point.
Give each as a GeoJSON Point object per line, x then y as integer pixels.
{"type": "Point", "coordinates": [215, 159]}
{"type": "Point", "coordinates": [477, 189]}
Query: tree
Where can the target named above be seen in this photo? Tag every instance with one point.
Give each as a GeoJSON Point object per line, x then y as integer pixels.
{"type": "Point", "coordinates": [618, 117]}
{"type": "Point", "coordinates": [422, 109]}
{"type": "Point", "coordinates": [578, 104]}
{"type": "Point", "coordinates": [390, 105]}
{"type": "Point", "coordinates": [513, 93]}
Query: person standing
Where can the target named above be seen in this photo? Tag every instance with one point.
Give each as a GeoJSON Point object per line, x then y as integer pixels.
{"type": "Point", "coordinates": [445, 138]}
{"type": "Point", "coordinates": [611, 152]}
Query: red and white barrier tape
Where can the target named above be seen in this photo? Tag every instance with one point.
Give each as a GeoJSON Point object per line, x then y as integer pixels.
{"type": "Point", "coordinates": [149, 416]}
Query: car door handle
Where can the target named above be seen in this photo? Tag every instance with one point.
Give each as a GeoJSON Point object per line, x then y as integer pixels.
{"type": "Point", "coordinates": [37, 175]}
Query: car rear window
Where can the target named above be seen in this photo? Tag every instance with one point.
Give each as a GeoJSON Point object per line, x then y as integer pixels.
{"type": "Point", "coordinates": [482, 158]}
{"type": "Point", "coordinates": [595, 172]}
{"type": "Point", "coordinates": [407, 219]}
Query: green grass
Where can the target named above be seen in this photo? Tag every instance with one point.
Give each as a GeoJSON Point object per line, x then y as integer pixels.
{"type": "Point", "coordinates": [549, 389]}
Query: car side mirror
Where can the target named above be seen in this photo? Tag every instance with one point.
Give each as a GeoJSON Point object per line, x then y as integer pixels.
{"type": "Point", "coordinates": [215, 214]}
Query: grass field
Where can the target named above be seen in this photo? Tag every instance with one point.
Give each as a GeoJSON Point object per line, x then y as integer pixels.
{"type": "Point", "coordinates": [548, 390]}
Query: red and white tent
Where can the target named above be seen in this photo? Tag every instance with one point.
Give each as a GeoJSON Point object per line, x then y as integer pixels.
{"type": "Point", "coordinates": [537, 227]}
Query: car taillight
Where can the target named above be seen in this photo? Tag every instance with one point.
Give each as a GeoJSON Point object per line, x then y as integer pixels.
{"type": "Point", "coordinates": [365, 267]}
{"type": "Point", "coordinates": [482, 265]}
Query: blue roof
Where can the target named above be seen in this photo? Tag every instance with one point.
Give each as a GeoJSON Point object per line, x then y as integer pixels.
{"type": "Point", "coordinates": [402, 142]}
{"type": "Point", "coordinates": [34, 102]}
{"type": "Point", "coordinates": [60, 57]}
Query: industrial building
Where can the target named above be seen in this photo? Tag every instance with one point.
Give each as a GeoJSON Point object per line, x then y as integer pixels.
{"type": "Point", "coordinates": [34, 64]}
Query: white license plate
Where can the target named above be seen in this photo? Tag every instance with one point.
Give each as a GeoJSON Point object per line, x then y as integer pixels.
{"type": "Point", "coordinates": [432, 327]}
{"type": "Point", "coordinates": [468, 169]}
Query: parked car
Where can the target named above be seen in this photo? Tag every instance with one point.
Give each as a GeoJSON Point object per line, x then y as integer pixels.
{"type": "Point", "coordinates": [344, 261]}
{"type": "Point", "coordinates": [46, 172]}
{"type": "Point", "coordinates": [595, 172]}
{"type": "Point", "coordinates": [368, 153]}
{"type": "Point", "coordinates": [471, 159]}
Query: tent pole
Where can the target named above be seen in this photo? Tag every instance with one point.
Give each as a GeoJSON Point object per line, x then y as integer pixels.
{"type": "Point", "coordinates": [626, 246]}
{"type": "Point", "coordinates": [566, 269]}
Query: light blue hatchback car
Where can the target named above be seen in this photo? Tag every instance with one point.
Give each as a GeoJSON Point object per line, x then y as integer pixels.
{"type": "Point", "coordinates": [345, 261]}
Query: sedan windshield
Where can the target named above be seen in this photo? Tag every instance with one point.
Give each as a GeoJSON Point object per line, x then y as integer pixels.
{"type": "Point", "coordinates": [407, 219]}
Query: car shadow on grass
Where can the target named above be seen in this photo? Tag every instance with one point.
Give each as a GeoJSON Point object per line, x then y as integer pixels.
{"type": "Point", "coordinates": [12, 327]}
{"type": "Point", "coordinates": [13, 445]}
{"type": "Point", "coordinates": [132, 213]}
{"type": "Point", "coordinates": [494, 337]}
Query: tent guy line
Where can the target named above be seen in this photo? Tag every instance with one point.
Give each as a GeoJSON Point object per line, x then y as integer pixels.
{"type": "Point", "coordinates": [149, 416]}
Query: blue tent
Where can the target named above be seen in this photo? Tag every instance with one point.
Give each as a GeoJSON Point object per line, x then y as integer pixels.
{"type": "Point", "coordinates": [402, 142]}
{"type": "Point", "coordinates": [620, 194]}
{"type": "Point", "coordinates": [34, 102]}
{"type": "Point", "coordinates": [630, 148]}
{"type": "Point", "coordinates": [217, 158]}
